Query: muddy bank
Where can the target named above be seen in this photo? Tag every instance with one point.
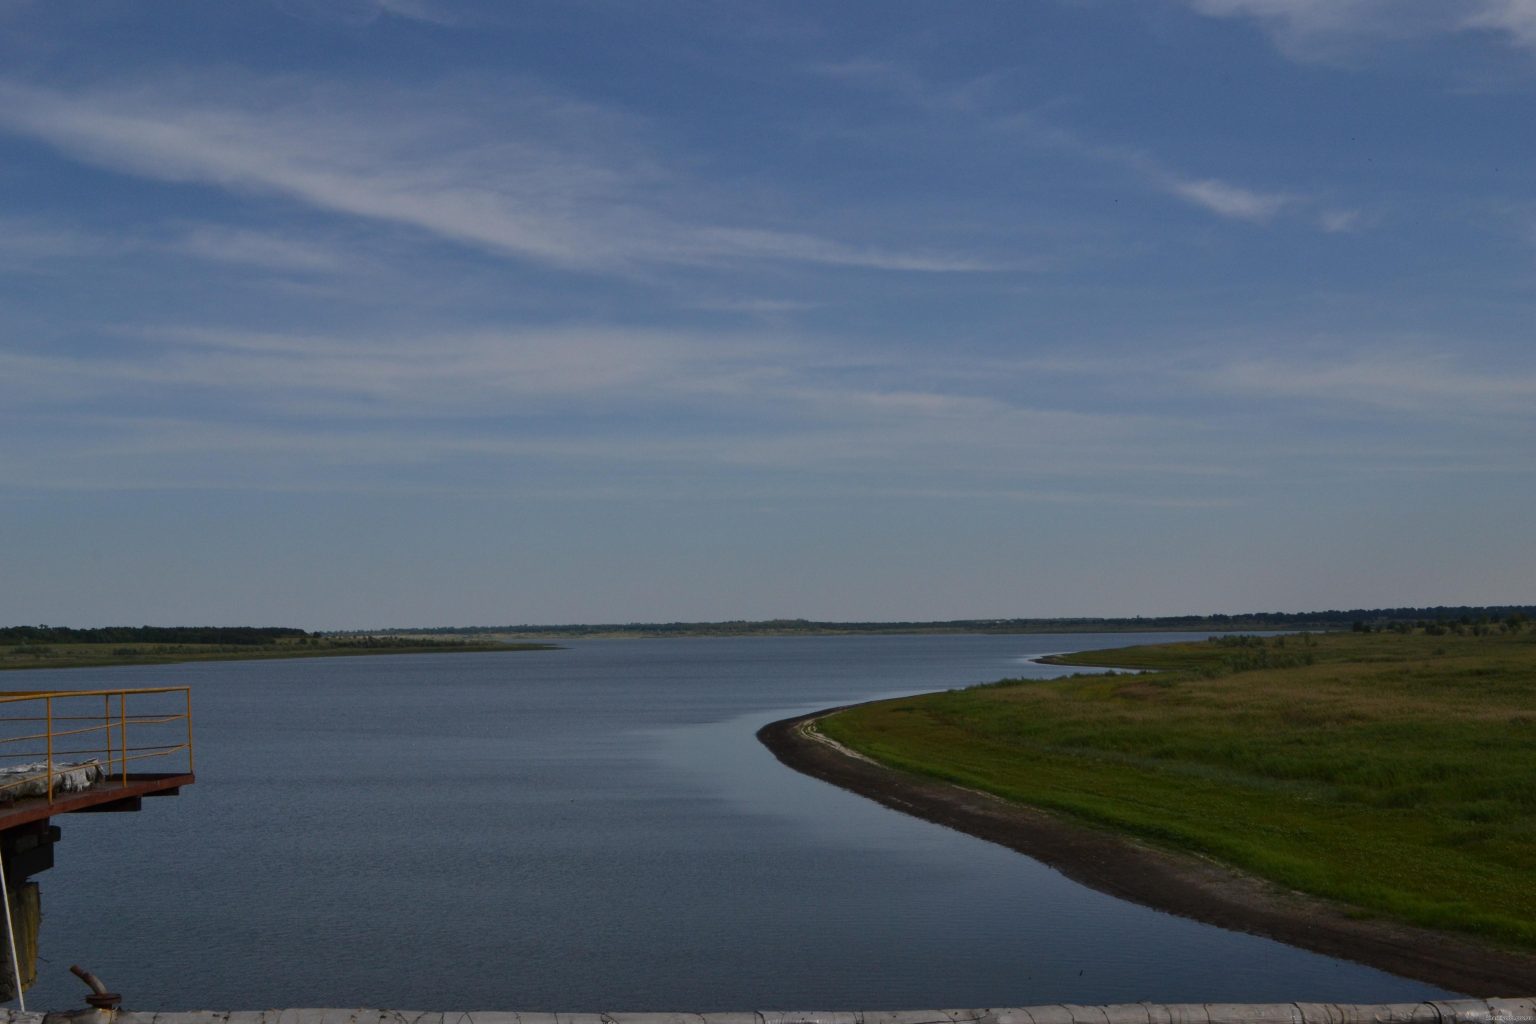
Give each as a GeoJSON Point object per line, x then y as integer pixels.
{"type": "Point", "coordinates": [1177, 883]}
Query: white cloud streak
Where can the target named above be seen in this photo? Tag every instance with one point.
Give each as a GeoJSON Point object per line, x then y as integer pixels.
{"type": "Point", "coordinates": [264, 249]}
{"type": "Point", "coordinates": [708, 406]}
{"type": "Point", "coordinates": [359, 13]}
{"type": "Point", "coordinates": [35, 246]}
{"type": "Point", "coordinates": [745, 409]}
{"type": "Point", "coordinates": [552, 183]}
{"type": "Point", "coordinates": [25, 242]}
{"type": "Point", "coordinates": [1515, 19]}
{"type": "Point", "coordinates": [967, 99]}
{"type": "Point", "coordinates": [1309, 29]}
{"type": "Point", "coordinates": [1402, 381]}
{"type": "Point", "coordinates": [1339, 221]}
{"type": "Point", "coordinates": [1231, 201]}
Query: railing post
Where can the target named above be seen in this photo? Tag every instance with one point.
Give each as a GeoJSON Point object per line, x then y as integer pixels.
{"type": "Point", "coordinates": [191, 767]}
{"type": "Point", "coordinates": [48, 703]}
{"type": "Point", "coordinates": [122, 730]}
{"type": "Point", "coordinates": [106, 724]}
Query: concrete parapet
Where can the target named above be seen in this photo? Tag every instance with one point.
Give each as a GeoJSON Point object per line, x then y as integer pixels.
{"type": "Point", "coordinates": [1455, 1011]}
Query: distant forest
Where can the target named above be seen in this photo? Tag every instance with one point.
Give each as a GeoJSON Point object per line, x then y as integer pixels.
{"type": "Point", "coordinates": [148, 635]}
{"type": "Point", "coordinates": [1354, 618]}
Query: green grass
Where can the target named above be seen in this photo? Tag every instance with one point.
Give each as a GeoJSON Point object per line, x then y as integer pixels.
{"type": "Point", "coordinates": [1395, 773]}
{"type": "Point", "coordinates": [21, 656]}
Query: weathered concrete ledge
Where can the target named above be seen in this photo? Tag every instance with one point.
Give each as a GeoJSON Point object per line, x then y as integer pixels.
{"type": "Point", "coordinates": [1455, 1011]}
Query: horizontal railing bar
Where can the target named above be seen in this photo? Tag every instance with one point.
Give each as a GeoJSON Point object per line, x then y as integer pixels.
{"type": "Point", "coordinates": [39, 755]}
{"type": "Point", "coordinates": [80, 749]}
{"type": "Point", "coordinates": [56, 732]}
{"type": "Point", "coordinates": [27, 736]}
{"type": "Point", "coordinates": [77, 732]}
{"type": "Point", "coordinates": [89, 750]}
{"type": "Point", "coordinates": [136, 720]}
{"type": "Point", "coordinates": [156, 753]}
{"type": "Point", "coordinates": [19, 737]}
{"type": "Point", "coordinates": [11, 696]}
{"type": "Point", "coordinates": [42, 753]}
{"type": "Point", "coordinates": [168, 716]}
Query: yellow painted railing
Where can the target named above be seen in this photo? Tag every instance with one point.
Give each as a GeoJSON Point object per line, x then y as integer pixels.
{"type": "Point", "coordinates": [46, 735]}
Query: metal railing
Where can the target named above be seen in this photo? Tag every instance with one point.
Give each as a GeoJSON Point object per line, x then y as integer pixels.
{"type": "Point", "coordinates": [48, 735]}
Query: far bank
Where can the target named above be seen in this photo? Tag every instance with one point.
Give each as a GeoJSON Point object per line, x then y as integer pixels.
{"type": "Point", "coordinates": [31, 656]}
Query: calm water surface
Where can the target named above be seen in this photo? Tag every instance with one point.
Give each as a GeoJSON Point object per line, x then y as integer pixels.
{"type": "Point", "coordinates": [592, 828]}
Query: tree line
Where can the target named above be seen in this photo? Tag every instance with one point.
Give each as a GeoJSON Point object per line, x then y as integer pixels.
{"type": "Point", "coordinates": [1315, 620]}
{"type": "Point", "coordinates": [247, 635]}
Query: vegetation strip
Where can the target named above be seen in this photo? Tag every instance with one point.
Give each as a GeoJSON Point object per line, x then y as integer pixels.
{"type": "Point", "coordinates": [25, 647]}
{"type": "Point", "coordinates": [1416, 745]}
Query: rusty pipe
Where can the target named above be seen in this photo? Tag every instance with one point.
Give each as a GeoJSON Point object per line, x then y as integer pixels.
{"type": "Point", "coordinates": [100, 998]}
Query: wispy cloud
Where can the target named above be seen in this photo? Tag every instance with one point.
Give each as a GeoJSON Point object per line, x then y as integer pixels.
{"type": "Point", "coordinates": [968, 96]}
{"type": "Point", "coordinates": [752, 306]}
{"type": "Point", "coordinates": [24, 241]}
{"type": "Point", "coordinates": [421, 10]}
{"type": "Point", "coordinates": [1232, 201]}
{"type": "Point", "coordinates": [263, 249]}
{"type": "Point", "coordinates": [1515, 19]}
{"type": "Point", "coordinates": [975, 99]}
{"type": "Point", "coordinates": [1399, 380]}
{"type": "Point", "coordinates": [1213, 195]}
{"type": "Point", "coordinates": [366, 12]}
{"type": "Point", "coordinates": [1300, 20]}
{"type": "Point", "coordinates": [554, 184]}
{"type": "Point", "coordinates": [1339, 221]}
{"type": "Point", "coordinates": [810, 249]}
{"type": "Point", "coordinates": [37, 245]}
{"type": "Point", "coordinates": [700, 403]}
{"type": "Point", "coordinates": [652, 406]}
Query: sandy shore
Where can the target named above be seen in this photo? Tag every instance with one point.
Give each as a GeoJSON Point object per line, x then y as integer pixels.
{"type": "Point", "coordinates": [1177, 883]}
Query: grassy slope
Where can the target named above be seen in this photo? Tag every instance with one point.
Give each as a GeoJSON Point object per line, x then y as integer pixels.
{"type": "Point", "coordinates": [1394, 773]}
{"type": "Point", "coordinates": [103, 655]}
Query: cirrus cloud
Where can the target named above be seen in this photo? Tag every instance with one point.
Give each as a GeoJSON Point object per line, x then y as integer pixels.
{"type": "Point", "coordinates": [556, 183]}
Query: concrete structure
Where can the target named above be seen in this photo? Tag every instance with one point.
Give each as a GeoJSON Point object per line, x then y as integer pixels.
{"type": "Point", "coordinates": [1457, 1011]}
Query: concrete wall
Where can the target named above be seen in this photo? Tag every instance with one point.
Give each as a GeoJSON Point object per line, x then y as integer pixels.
{"type": "Point", "coordinates": [1459, 1011]}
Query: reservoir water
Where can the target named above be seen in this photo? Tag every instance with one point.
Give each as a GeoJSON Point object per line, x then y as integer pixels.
{"type": "Point", "coordinates": [593, 828]}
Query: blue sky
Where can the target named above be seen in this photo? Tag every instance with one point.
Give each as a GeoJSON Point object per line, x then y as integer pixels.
{"type": "Point", "coordinates": [358, 313]}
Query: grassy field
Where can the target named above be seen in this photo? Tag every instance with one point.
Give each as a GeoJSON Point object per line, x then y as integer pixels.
{"type": "Point", "coordinates": [101, 655]}
{"type": "Point", "coordinates": [1394, 772]}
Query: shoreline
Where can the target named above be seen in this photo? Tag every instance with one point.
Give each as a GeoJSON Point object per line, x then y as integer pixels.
{"type": "Point", "coordinates": [1172, 882]}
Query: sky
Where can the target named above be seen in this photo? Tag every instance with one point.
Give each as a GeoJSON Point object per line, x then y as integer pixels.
{"type": "Point", "coordinates": [372, 313]}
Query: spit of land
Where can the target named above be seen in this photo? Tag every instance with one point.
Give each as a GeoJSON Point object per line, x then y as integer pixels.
{"type": "Point", "coordinates": [1387, 776]}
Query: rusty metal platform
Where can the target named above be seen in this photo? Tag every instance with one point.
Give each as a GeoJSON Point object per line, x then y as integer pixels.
{"type": "Point", "coordinates": [112, 794]}
{"type": "Point", "coordinates": [48, 738]}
